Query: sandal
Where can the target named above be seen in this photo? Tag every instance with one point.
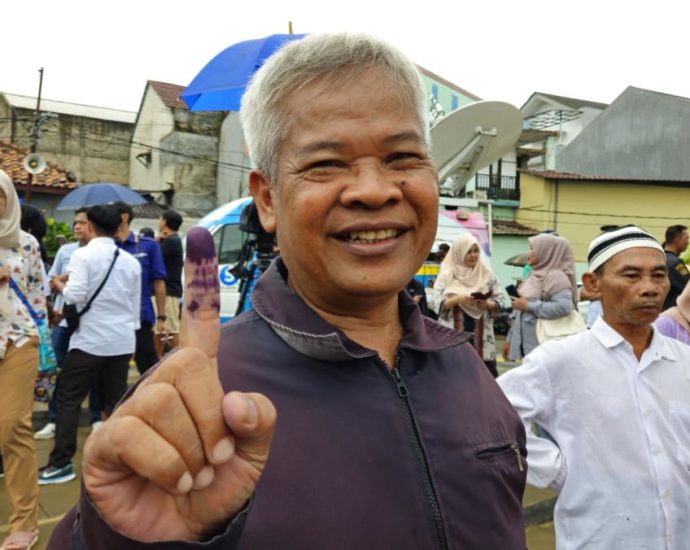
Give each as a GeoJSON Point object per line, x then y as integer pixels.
{"type": "Point", "coordinates": [21, 540]}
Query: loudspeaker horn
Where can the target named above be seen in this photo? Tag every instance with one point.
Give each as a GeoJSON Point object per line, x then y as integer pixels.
{"type": "Point", "coordinates": [34, 163]}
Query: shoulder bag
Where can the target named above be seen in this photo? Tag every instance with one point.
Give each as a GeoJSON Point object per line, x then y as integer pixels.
{"type": "Point", "coordinates": [70, 312]}
{"type": "Point", "coordinates": [562, 327]}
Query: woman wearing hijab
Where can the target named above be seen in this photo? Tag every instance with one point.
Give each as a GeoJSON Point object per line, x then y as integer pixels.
{"type": "Point", "coordinates": [675, 321]}
{"type": "Point", "coordinates": [21, 282]}
{"type": "Point", "coordinates": [466, 293]}
{"type": "Point", "coordinates": [549, 292]}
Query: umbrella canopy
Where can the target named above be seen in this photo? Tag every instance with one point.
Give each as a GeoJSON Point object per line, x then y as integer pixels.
{"type": "Point", "coordinates": [99, 193]}
{"type": "Point", "coordinates": [220, 84]}
{"type": "Point", "coordinates": [519, 260]}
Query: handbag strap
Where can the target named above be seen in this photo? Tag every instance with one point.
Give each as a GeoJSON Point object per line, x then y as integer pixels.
{"type": "Point", "coordinates": [100, 287]}
{"type": "Point", "coordinates": [38, 319]}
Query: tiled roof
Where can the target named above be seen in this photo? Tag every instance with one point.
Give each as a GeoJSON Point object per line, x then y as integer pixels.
{"type": "Point", "coordinates": [500, 227]}
{"type": "Point", "coordinates": [555, 175]}
{"type": "Point", "coordinates": [54, 177]}
{"type": "Point", "coordinates": [169, 94]}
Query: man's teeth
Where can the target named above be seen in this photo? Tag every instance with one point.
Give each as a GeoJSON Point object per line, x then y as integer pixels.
{"type": "Point", "coordinates": [372, 236]}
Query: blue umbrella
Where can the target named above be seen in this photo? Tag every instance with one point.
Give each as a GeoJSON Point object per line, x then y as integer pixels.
{"type": "Point", "coordinates": [91, 194]}
{"type": "Point", "coordinates": [220, 84]}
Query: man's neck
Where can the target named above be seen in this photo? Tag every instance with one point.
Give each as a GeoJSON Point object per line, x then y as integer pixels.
{"type": "Point", "coordinates": [122, 234]}
{"type": "Point", "coordinates": [376, 326]}
{"type": "Point", "coordinates": [639, 337]}
{"type": "Point", "coordinates": [165, 233]}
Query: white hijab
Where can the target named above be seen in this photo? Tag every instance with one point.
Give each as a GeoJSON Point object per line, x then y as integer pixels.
{"type": "Point", "coordinates": [460, 280]}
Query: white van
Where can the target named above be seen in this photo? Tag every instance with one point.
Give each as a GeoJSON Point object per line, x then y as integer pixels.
{"type": "Point", "coordinates": [223, 224]}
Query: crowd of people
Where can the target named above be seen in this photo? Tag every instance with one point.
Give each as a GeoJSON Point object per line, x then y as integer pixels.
{"type": "Point", "coordinates": [394, 430]}
{"type": "Point", "coordinates": [107, 275]}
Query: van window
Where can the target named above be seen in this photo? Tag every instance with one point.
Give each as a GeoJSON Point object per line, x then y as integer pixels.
{"type": "Point", "coordinates": [228, 241]}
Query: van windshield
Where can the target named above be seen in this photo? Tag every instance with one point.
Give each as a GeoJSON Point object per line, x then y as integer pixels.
{"type": "Point", "coordinates": [228, 242]}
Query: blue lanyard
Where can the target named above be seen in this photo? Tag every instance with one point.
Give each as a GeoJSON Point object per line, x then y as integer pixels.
{"type": "Point", "coordinates": [38, 319]}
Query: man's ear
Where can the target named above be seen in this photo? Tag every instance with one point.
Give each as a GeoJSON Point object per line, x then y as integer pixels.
{"type": "Point", "coordinates": [592, 284]}
{"type": "Point", "coordinates": [261, 189]}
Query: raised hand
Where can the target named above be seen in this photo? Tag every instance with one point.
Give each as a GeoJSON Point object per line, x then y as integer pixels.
{"type": "Point", "coordinates": [179, 458]}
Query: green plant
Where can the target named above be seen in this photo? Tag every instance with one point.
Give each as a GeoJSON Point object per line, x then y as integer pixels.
{"type": "Point", "coordinates": [57, 234]}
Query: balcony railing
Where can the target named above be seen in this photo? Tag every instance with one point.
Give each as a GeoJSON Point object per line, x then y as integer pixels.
{"type": "Point", "coordinates": [504, 188]}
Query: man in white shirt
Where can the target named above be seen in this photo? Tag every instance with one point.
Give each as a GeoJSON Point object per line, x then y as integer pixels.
{"type": "Point", "coordinates": [616, 400]}
{"type": "Point", "coordinates": [60, 334]}
{"type": "Point", "coordinates": [104, 341]}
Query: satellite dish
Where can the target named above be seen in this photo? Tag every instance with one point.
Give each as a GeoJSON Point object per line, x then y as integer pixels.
{"type": "Point", "coordinates": [34, 163]}
{"type": "Point", "coordinates": [472, 137]}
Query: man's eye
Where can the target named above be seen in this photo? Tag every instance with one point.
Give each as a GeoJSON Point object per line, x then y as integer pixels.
{"type": "Point", "coordinates": [329, 163]}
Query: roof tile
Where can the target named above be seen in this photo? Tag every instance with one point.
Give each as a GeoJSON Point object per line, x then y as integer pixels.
{"type": "Point", "coordinates": [53, 177]}
{"type": "Point", "coordinates": [169, 94]}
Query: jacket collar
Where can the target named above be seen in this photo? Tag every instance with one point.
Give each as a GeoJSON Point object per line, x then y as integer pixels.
{"type": "Point", "coordinates": [306, 332]}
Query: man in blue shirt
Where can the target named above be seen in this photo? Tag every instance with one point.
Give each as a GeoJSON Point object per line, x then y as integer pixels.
{"type": "Point", "coordinates": [153, 275]}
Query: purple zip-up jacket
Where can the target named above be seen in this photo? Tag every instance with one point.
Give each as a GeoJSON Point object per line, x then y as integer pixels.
{"type": "Point", "coordinates": [427, 455]}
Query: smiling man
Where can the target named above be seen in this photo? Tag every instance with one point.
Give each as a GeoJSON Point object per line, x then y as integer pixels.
{"type": "Point", "coordinates": [616, 400]}
{"type": "Point", "coordinates": [391, 432]}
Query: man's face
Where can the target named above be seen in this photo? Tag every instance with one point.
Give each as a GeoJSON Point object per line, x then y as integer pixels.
{"type": "Point", "coordinates": [80, 226]}
{"type": "Point", "coordinates": [356, 204]}
{"type": "Point", "coordinates": [682, 241]}
{"type": "Point", "coordinates": [633, 286]}
{"type": "Point", "coordinates": [161, 224]}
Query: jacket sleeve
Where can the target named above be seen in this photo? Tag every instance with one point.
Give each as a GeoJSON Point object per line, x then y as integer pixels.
{"type": "Point", "coordinates": [529, 390]}
{"type": "Point", "coordinates": [559, 305]}
{"type": "Point", "coordinates": [83, 528]}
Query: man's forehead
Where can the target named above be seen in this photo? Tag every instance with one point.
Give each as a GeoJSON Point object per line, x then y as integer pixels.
{"type": "Point", "coordinates": [638, 257]}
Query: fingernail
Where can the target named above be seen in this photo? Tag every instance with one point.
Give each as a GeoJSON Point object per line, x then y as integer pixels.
{"type": "Point", "coordinates": [204, 478]}
{"type": "Point", "coordinates": [185, 483]}
{"type": "Point", "coordinates": [223, 450]}
{"type": "Point", "coordinates": [250, 413]}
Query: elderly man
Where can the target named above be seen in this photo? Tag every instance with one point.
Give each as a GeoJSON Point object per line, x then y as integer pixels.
{"type": "Point", "coordinates": [391, 432]}
{"type": "Point", "coordinates": [616, 400]}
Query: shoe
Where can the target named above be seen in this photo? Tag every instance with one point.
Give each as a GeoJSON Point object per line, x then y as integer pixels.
{"type": "Point", "coordinates": [52, 475]}
{"type": "Point", "coordinates": [20, 540]}
{"type": "Point", "coordinates": [96, 425]}
{"type": "Point", "coordinates": [46, 432]}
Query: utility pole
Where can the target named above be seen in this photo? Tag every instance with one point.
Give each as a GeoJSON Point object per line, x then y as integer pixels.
{"type": "Point", "coordinates": [34, 134]}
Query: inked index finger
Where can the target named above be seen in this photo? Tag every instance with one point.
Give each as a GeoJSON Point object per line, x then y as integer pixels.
{"type": "Point", "coordinates": [200, 325]}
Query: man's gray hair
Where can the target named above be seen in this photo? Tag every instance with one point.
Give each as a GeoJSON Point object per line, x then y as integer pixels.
{"type": "Point", "coordinates": [330, 59]}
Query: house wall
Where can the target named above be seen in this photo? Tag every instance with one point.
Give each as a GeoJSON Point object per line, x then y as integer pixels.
{"type": "Point", "coordinates": [583, 207]}
{"type": "Point", "coordinates": [445, 94]}
{"type": "Point", "coordinates": [93, 149]}
{"type": "Point", "coordinates": [155, 121]}
{"type": "Point", "coordinates": [233, 161]}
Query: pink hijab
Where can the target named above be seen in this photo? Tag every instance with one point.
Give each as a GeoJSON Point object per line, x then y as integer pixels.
{"type": "Point", "coordinates": [681, 313]}
{"type": "Point", "coordinates": [554, 270]}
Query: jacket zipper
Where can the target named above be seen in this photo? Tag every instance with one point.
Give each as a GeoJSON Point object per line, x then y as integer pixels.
{"type": "Point", "coordinates": [403, 393]}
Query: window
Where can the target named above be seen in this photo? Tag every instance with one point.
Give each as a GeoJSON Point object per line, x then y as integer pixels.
{"type": "Point", "coordinates": [455, 102]}
{"type": "Point", "coordinates": [434, 90]}
{"type": "Point", "coordinates": [228, 242]}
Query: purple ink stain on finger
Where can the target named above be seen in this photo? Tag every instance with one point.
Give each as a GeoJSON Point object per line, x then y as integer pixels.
{"type": "Point", "coordinates": [193, 306]}
{"type": "Point", "coordinates": [200, 245]}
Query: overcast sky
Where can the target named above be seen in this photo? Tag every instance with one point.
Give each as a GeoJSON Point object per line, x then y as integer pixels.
{"type": "Point", "coordinates": [101, 53]}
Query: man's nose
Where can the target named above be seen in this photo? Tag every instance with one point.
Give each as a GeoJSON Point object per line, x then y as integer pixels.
{"type": "Point", "coordinates": [372, 186]}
